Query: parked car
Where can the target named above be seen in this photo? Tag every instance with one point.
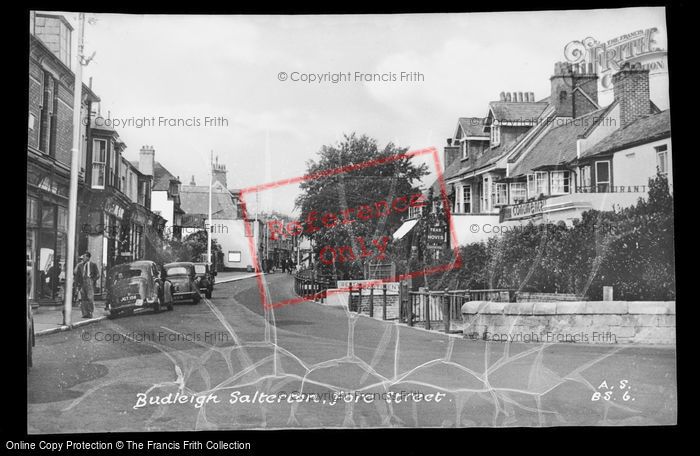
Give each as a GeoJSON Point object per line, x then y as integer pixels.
{"type": "Point", "coordinates": [207, 278]}
{"type": "Point", "coordinates": [185, 283]}
{"type": "Point", "coordinates": [137, 285]}
{"type": "Point", "coordinates": [30, 335]}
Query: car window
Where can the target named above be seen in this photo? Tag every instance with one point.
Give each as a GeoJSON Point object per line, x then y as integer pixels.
{"type": "Point", "coordinates": [178, 270]}
{"type": "Point", "coordinates": [200, 268]}
{"type": "Point", "coordinates": [127, 274]}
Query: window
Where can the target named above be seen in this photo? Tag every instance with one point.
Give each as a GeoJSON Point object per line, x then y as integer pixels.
{"type": "Point", "coordinates": [486, 194]}
{"type": "Point", "coordinates": [113, 171]}
{"type": "Point", "coordinates": [559, 182]}
{"type": "Point", "coordinates": [585, 178]}
{"type": "Point", "coordinates": [518, 192]}
{"type": "Point", "coordinates": [32, 122]}
{"type": "Point", "coordinates": [99, 158]}
{"type": "Point", "coordinates": [531, 186]}
{"type": "Point", "coordinates": [500, 194]}
{"type": "Point", "coordinates": [465, 149]}
{"type": "Point", "coordinates": [463, 196]}
{"type": "Point", "coordinates": [602, 176]}
{"type": "Point", "coordinates": [540, 184]}
{"type": "Point", "coordinates": [495, 135]}
{"type": "Point", "coordinates": [234, 257]}
{"type": "Point", "coordinates": [662, 159]}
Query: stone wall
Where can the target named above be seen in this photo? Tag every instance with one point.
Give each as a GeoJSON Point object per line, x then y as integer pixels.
{"type": "Point", "coordinates": [606, 322]}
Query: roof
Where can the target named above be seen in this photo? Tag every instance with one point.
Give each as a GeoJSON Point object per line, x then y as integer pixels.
{"type": "Point", "coordinates": [517, 112]}
{"type": "Point", "coordinates": [194, 199]}
{"type": "Point", "coordinates": [161, 178]}
{"type": "Point", "coordinates": [558, 145]}
{"type": "Point", "coordinates": [489, 157]}
{"type": "Point", "coordinates": [473, 126]}
{"type": "Point", "coordinates": [643, 130]}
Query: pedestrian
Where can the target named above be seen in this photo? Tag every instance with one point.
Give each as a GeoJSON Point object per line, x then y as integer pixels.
{"type": "Point", "coordinates": [86, 274]}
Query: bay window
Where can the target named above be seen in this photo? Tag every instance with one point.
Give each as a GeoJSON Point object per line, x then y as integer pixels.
{"type": "Point", "coordinates": [559, 182]}
{"type": "Point", "coordinates": [99, 160]}
{"type": "Point", "coordinates": [518, 192]}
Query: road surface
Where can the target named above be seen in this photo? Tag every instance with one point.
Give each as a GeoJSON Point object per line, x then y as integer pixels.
{"type": "Point", "coordinates": [227, 364]}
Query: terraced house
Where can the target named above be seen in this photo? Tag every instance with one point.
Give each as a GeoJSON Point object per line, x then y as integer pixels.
{"type": "Point", "coordinates": [552, 159]}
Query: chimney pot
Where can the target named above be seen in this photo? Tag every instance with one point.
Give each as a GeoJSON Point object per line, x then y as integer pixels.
{"type": "Point", "coordinates": [503, 96]}
{"type": "Point", "coordinates": [508, 97]}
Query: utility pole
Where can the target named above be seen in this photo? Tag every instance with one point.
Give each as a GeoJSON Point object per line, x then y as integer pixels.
{"type": "Point", "coordinates": [211, 179]}
{"type": "Point", "coordinates": [74, 171]}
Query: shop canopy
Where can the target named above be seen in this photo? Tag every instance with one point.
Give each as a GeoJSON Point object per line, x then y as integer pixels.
{"type": "Point", "coordinates": [405, 228]}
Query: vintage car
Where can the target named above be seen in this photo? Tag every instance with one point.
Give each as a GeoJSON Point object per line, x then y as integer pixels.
{"type": "Point", "coordinates": [137, 285]}
{"type": "Point", "coordinates": [206, 274]}
{"type": "Point", "coordinates": [185, 283]}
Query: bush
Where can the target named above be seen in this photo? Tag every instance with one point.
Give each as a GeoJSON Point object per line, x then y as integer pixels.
{"type": "Point", "coordinates": [630, 249]}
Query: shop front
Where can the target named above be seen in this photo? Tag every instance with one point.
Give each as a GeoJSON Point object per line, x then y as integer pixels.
{"type": "Point", "coordinates": [46, 235]}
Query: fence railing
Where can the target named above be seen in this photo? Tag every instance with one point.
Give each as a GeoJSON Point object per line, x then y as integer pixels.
{"type": "Point", "coordinates": [438, 309]}
{"type": "Point", "coordinates": [308, 285]}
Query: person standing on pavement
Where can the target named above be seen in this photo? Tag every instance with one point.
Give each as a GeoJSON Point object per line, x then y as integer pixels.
{"type": "Point", "coordinates": [86, 274]}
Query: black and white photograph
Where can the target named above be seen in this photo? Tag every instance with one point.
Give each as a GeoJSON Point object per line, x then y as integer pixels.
{"type": "Point", "coordinates": [245, 222]}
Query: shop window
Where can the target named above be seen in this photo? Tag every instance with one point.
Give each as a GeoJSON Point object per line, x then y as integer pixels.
{"type": "Point", "coordinates": [234, 257]}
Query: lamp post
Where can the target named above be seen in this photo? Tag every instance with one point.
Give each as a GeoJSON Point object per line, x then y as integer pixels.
{"type": "Point", "coordinates": [80, 61]}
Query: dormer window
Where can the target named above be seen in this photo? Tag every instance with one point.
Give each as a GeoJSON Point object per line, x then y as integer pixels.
{"type": "Point", "coordinates": [173, 188]}
{"type": "Point", "coordinates": [495, 135]}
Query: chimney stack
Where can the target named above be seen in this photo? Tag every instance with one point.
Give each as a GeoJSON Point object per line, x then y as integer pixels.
{"type": "Point", "coordinates": [573, 87]}
{"type": "Point", "coordinates": [631, 91]}
{"type": "Point", "coordinates": [192, 182]}
{"type": "Point", "coordinates": [146, 160]}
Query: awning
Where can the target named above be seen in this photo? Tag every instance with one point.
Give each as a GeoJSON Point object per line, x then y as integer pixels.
{"type": "Point", "coordinates": [405, 228]}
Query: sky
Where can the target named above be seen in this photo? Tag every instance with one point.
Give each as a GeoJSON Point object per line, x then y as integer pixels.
{"type": "Point", "coordinates": [188, 68]}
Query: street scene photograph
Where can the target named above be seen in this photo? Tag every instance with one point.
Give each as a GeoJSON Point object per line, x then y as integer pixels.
{"type": "Point", "coordinates": [357, 221]}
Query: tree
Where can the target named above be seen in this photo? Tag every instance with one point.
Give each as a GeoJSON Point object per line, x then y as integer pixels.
{"type": "Point", "coordinates": [194, 247]}
{"type": "Point", "coordinates": [382, 181]}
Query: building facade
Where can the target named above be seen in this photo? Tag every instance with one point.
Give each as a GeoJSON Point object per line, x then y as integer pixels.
{"type": "Point", "coordinates": [551, 160]}
{"type": "Point", "coordinates": [49, 142]}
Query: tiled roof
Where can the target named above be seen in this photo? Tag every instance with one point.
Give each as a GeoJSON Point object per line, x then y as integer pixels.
{"type": "Point", "coordinates": [489, 157]}
{"type": "Point", "coordinates": [516, 112]}
{"type": "Point", "coordinates": [557, 145]}
{"type": "Point", "coordinates": [194, 199]}
{"type": "Point", "coordinates": [473, 126]}
{"type": "Point", "coordinates": [161, 176]}
{"type": "Point", "coordinates": [643, 130]}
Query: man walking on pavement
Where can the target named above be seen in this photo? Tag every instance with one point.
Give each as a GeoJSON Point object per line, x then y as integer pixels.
{"type": "Point", "coordinates": [86, 275]}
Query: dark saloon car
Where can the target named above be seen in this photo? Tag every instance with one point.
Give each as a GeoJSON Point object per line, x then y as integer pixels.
{"type": "Point", "coordinates": [206, 274]}
{"type": "Point", "coordinates": [137, 285]}
{"type": "Point", "coordinates": [185, 283]}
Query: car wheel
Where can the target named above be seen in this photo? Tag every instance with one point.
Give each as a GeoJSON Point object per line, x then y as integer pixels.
{"type": "Point", "coordinates": [208, 294]}
{"type": "Point", "coordinates": [113, 314]}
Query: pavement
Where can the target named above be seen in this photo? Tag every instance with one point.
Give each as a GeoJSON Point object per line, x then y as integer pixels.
{"type": "Point", "coordinates": [49, 320]}
{"type": "Point", "coordinates": [226, 363]}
